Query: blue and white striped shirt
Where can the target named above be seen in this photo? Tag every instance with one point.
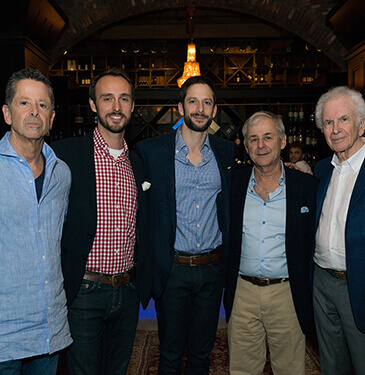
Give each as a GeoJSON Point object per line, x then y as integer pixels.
{"type": "Point", "coordinates": [196, 188]}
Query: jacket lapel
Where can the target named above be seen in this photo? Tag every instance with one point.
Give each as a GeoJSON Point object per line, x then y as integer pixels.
{"type": "Point", "coordinates": [240, 181]}
{"type": "Point", "coordinates": [291, 190]}
{"type": "Point", "coordinates": [358, 188]}
{"type": "Point", "coordinates": [88, 168]}
{"type": "Point", "coordinates": [222, 161]}
{"type": "Point", "coordinates": [324, 180]}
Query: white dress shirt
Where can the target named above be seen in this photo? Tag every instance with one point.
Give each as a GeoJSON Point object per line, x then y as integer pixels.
{"type": "Point", "coordinates": [330, 250]}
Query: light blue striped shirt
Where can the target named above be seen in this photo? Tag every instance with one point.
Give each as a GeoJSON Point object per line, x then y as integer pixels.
{"type": "Point", "coordinates": [196, 189]}
{"type": "Point", "coordinates": [263, 233]}
{"type": "Point", "coordinates": [33, 313]}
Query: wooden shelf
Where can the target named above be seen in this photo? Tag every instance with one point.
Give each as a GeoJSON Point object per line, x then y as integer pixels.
{"type": "Point", "coordinates": [228, 70]}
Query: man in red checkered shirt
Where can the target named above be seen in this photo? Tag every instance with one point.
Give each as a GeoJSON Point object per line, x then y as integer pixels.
{"type": "Point", "coordinates": [106, 273]}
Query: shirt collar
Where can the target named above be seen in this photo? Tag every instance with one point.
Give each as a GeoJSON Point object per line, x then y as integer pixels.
{"type": "Point", "coordinates": [253, 182]}
{"type": "Point", "coordinates": [100, 143]}
{"type": "Point", "coordinates": [7, 149]}
{"type": "Point", "coordinates": [181, 145]}
{"type": "Point", "coordinates": [354, 162]}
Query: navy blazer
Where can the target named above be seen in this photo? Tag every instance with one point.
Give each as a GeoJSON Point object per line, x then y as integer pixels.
{"type": "Point", "coordinates": [354, 236]}
{"type": "Point", "coordinates": [80, 225]}
{"type": "Point", "coordinates": [301, 191]}
{"type": "Point", "coordinates": [158, 156]}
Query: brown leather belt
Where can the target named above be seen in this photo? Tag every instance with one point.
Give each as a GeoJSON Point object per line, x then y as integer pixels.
{"type": "Point", "coordinates": [201, 259]}
{"type": "Point", "coordinates": [117, 280]}
{"type": "Point", "coordinates": [263, 281]}
{"type": "Point", "coordinates": [342, 275]}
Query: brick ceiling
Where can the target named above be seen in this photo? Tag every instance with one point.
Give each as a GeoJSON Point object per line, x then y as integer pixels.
{"type": "Point", "coordinates": [304, 18]}
{"type": "Point", "coordinates": [178, 19]}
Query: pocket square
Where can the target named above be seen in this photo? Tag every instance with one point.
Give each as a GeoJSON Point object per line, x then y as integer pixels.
{"type": "Point", "coordinates": [304, 209]}
{"type": "Point", "coordinates": [146, 185]}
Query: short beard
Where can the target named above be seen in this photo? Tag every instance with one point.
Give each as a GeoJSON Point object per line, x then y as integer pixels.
{"type": "Point", "coordinates": [190, 124]}
{"type": "Point", "coordinates": [104, 123]}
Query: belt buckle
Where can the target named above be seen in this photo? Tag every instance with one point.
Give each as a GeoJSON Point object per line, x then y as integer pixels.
{"type": "Point", "coordinates": [191, 258]}
{"type": "Point", "coordinates": [266, 280]}
{"type": "Point", "coordinates": [340, 274]}
{"type": "Point", "coordinates": [116, 280]}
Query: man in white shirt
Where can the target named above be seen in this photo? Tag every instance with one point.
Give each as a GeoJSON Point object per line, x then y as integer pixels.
{"type": "Point", "coordinates": [339, 274]}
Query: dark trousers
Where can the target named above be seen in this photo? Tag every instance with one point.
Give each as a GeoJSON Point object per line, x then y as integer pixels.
{"type": "Point", "coordinates": [341, 343]}
{"type": "Point", "coordinates": [187, 315]}
{"type": "Point", "coordinates": [103, 322]}
{"type": "Point", "coordinates": [40, 365]}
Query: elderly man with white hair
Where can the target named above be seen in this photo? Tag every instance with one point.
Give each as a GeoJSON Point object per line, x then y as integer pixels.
{"type": "Point", "coordinates": [339, 271]}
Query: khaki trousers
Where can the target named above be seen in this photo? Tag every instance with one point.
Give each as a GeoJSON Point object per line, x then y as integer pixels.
{"type": "Point", "coordinates": [261, 312]}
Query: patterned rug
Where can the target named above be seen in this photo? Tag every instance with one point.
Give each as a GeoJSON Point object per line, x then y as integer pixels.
{"type": "Point", "coordinates": [145, 356]}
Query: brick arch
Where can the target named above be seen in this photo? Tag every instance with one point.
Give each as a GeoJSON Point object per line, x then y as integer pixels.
{"type": "Point", "coordinates": [305, 19]}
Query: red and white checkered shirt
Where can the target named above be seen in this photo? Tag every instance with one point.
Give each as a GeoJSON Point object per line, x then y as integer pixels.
{"type": "Point", "coordinates": [116, 197]}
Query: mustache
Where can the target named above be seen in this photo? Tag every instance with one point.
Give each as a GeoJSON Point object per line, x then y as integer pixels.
{"type": "Point", "coordinates": [116, 114]}
{"type": "Point", "coordinates": [199, 114]}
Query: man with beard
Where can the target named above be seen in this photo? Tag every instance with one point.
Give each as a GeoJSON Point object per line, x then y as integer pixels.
{"type": "Point", "coordinates": [106, 219]}
{"type": "Point", "coordinates": [189, 172]}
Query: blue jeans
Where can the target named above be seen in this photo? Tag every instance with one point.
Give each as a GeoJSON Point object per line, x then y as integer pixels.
{"type": "Point", "coordinates": [341, 343]}
{"type": "Point", "coordinates": [40, 365]}
{"type": "Point", "coordinates": [187, 314]}
{"type": "Point", "coordinates": [103, 322]}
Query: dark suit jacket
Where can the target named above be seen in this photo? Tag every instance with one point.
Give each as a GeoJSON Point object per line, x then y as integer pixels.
{"type": "Point", "coordinates": [80, 225]}
{"type": "Point", "coordinates": [299, 235]}
{"type": "Point", "coordinates": [158, 155]}
{"type": "Point", "coordinates": [354, 236]}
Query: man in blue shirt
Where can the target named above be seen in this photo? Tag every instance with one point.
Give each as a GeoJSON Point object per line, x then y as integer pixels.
{"type": "Point", "coordinates": [267, 292]}
{"type": "Point", "coordinates": [34, 188]}
{"type": "Point", "coordinates": [189, 172]}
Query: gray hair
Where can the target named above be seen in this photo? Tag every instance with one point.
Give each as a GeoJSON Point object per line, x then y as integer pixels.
{"type": "Point", "coordinates": [33, 74]}
{"type": "Point", "coordinates": [261, 115]}
{"type": "Point", "coordinates": [334, 92]}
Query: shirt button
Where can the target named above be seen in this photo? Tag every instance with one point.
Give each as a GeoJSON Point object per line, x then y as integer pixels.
{"type": "Point", "coordinates": [47, 340]}
{"type": "Point", "coordinates": [43, 257]}
{"type": "Point", "coordinates": [197, 186]}
{"type": "Point", "coordinates": [197, 206]}
{"type": "Point", "coordinates": [263, 222]}
{"type": "Point", "coordinates": [46, 282]}
{"type": "Point", "coordinates": [30, 181]}
{"type": "Point", "coordinates": [198, 225]}
{"type": "Point", "coordinates": [117, 229]}
{"type": "Point", "coordinates": [48, 307]}
{"type": "Point", "coordinates": [40, 230]}
{"type": "Point", "coordinates": [198, 245]}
